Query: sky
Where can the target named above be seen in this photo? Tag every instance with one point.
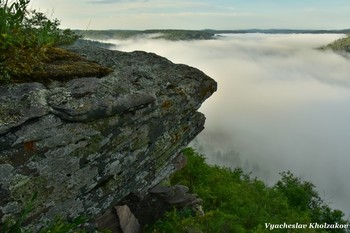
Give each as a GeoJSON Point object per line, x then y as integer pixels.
{"type": "Point", "coordinates": [198, 14]}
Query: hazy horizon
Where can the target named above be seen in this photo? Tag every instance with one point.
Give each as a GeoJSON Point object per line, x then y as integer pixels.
{"type": "Point", "coordinates": [228, 29]}
{"type": "Point", "coordinates": [197, 15]}
{"type": "Point", "coordinates": [281, 105]}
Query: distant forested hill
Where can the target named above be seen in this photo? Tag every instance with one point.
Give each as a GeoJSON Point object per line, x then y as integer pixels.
{"type": "Point", "coordinates": [171, 34]}
{"type": "Point", "coordinates": [342, 44]}
{"type": "Point", "coordinates": [154, 34]}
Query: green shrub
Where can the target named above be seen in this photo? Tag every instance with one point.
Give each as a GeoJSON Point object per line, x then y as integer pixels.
{"type": "Point", "coordinates": [24, 38]}
{"type": "Point", "coordinates": [234, 202]}
{"type": "Point", "coordinates": [303, 197]}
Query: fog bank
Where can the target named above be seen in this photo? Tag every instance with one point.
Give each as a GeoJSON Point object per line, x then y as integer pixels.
{"type": "Point", "coordinates": [281, 105]}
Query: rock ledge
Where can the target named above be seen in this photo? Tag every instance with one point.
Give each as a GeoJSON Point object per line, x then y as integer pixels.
{"type": "Point", "coordinates": [89, 142]}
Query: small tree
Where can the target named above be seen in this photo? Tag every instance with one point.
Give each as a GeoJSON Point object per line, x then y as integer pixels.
{"type": "Point", "coordinates": [302, 196]}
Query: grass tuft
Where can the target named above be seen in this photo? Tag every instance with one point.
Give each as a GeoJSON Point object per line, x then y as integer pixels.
{"type": "Point", "coordinates": [25, 37]}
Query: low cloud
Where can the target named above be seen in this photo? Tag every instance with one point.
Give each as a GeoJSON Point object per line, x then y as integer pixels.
{"type": "Point", "coordinates": [281, 105]}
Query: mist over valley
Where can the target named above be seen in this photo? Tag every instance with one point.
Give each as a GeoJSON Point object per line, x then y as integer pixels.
{"type": "Point", "coordinates": [281, 105]}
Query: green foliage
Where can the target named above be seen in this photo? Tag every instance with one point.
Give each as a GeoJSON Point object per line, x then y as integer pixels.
{"type": "Point", "coordinates": [47, 31]}
{"type": "Point", "coordinates": [302, 196]}
{"type": "Point", "coordinates": [59, 225]}
{"type": "Point", "coordinates": [24, 37]}
{"type": "Point", "coordinates": [15, 225]}
{"type": "Point", "coordinates": [341, 45]}
{"type": "Point", "coordinates": [234, 202]}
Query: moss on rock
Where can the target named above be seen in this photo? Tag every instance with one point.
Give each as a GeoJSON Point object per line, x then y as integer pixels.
{"type": "Point", "coordinates": [63, 65]}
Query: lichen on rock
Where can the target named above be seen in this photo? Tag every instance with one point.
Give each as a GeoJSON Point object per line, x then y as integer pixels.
{"type": "Point", "coordinates": [91, 141]}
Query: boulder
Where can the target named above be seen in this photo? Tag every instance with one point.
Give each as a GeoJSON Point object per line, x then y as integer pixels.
{"type": "Point", "coordinates": [85, 144]}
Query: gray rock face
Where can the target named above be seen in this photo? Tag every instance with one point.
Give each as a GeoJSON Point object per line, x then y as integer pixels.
{"type": "Point", "coordinates": [84, 145]}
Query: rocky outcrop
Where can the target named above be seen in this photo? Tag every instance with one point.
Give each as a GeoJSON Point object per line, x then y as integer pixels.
{"type": "Point", "coordinates": [85, 144]}
{"type": "Point", "coordinates": [134, 213]}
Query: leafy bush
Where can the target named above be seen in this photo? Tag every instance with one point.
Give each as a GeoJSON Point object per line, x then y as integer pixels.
{"type": "Point", "coordinates": [303, 197]}
{"type": "Point", "coordinates": [24, 38]}
{"type": "Point", "coordinates": [234, 202]}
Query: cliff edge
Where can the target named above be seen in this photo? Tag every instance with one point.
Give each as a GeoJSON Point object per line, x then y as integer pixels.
{"type": "Point", "coordinates": [85, 144]}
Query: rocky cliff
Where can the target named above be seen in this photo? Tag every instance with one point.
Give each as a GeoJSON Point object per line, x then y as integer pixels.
{"type": "Point", "coordinates": [85, 144]}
